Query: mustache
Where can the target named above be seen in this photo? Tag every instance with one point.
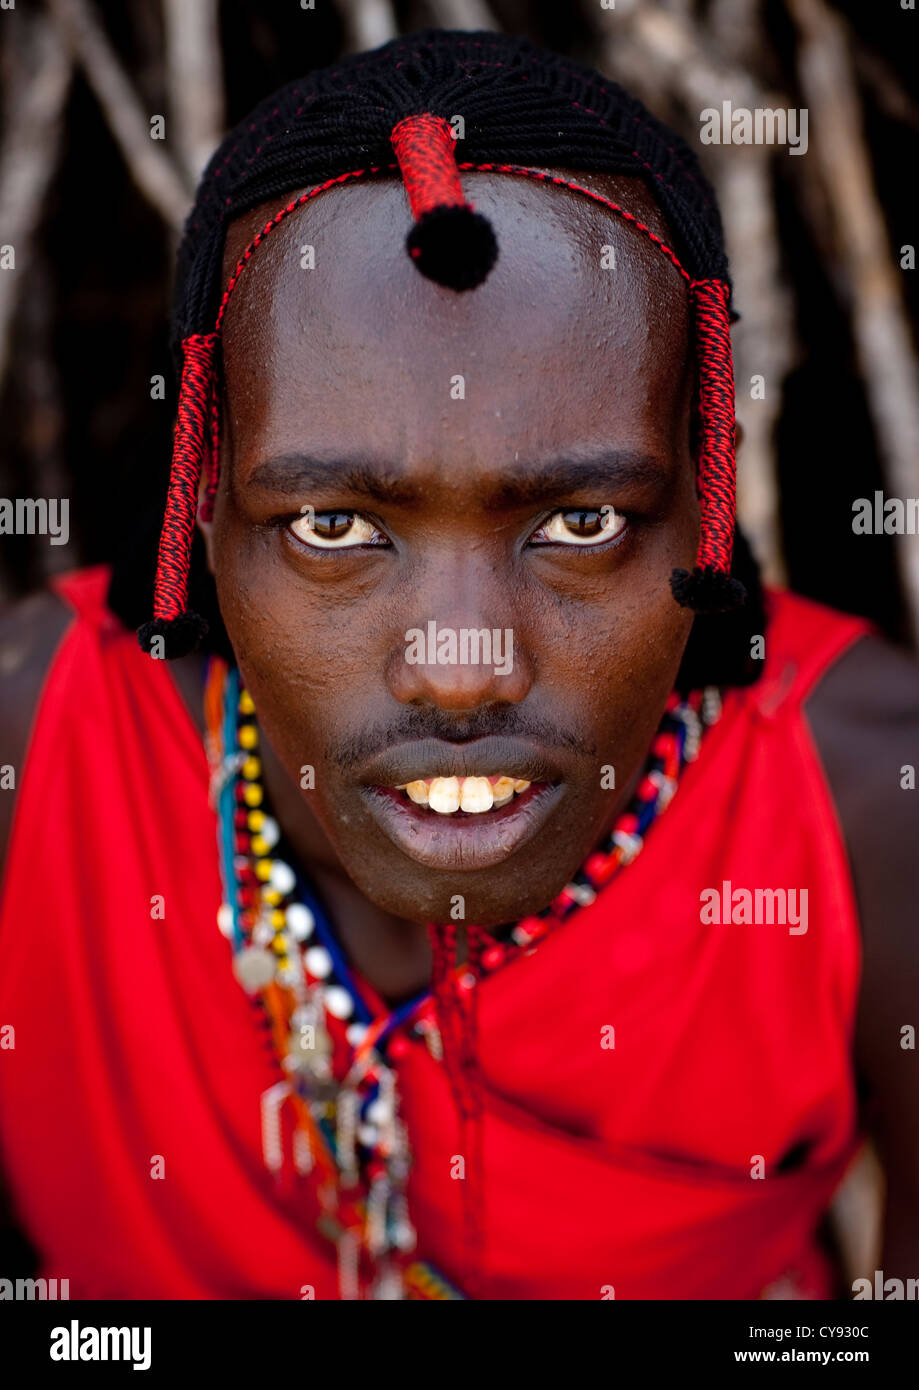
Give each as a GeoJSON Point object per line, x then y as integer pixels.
{"type": "Point", "coordinates": [416, 724]}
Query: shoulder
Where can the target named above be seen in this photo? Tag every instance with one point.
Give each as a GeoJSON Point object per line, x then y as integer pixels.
{"type": "Point", "coordinates": [864, 716]}
{"type": "Point", "coordinates": [30, 631]}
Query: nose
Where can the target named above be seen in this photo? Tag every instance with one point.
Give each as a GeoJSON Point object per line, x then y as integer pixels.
{"type": "Point", "coordinates": [462, 652]}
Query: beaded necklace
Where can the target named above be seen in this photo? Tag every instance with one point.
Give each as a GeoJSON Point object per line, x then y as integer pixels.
{"type": "Point", "coordinates": [332, 1115]}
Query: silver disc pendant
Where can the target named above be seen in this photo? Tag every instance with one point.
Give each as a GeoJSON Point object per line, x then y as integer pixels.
{"type": "Point", "coordinates": [254, 968]}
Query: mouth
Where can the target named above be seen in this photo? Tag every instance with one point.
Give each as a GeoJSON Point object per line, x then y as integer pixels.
{"type": "Point", "coordinates": [463, 816]}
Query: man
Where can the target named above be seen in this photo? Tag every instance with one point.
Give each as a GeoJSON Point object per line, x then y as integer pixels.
{"type": "Point", "coordinates": [551, 977]}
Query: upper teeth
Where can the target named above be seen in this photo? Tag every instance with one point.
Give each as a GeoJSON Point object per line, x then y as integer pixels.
{"type": "Point", "coordinates": [444, 794]}
{"type": "Point", "coordinates": [472, 794]}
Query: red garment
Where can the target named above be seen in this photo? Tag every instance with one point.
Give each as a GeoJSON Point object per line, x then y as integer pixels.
{"type": "Point", "coordinates": [627, 1167]}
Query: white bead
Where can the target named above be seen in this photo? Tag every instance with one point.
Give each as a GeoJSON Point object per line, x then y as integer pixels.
{"type": "Point", "coordinates": [582, 893]}
{"type": "Point", "coordinates": [404, 1237]}
{"type": "Point", "coordinates": [262, 934]}
{"type": "Point", "coordinates": [630, 845]}
{"type": "Point", "coordinates": [368, 1135]}
{"type": "Point", "coordinates": [283, 877]}
{"type": "Point", "coordinates": [355, 1033]}
{"type": "Point", "coordinates": [300, 921]}
{"type": "Point", "coordinates": [711, 704]}
{"type": "Point", "coordinates": [378, 1112]}
{"type": "Point", "coordinates": [270, 832]}
{"type": "Point", "coordinates": [318, 962]}
{"type": "Point", "coordinates": [338, 1001]}
{"type": "Point", "coordinates": [225, 919]}
{"type": "Point", "coordinates": [665, 795]}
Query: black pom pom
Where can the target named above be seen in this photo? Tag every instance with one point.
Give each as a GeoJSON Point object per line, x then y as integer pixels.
{"type": "Point", "coordinates": [707, 590]}
{"type": "Point", "coordinates": [453, 246]}
{"type": "Point", "coordinates": [180, 635]}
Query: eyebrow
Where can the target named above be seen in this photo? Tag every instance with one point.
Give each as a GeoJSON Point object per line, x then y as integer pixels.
{"type": "Point", "coordinates": [531, 481]}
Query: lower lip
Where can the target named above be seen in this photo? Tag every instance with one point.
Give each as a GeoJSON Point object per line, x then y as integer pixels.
{"type": "Point", "coordinates": [461, 841]}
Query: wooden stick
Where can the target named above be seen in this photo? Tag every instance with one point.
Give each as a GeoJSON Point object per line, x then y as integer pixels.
{"type": "Point", "coordinates": [677, 56]}
{"type": "Point", "coordinates": [463, 14]}
{"type": "Point", "coordinates": [43, 415]}
{"type": "Point", "coordinates": [152, 170]}
{"type": "Point", "coordinates": [36, 81]}
{"type": "Point", "coordinates": [368, 23]}
{"type": "Point", "coordinates": [889, 93]}
{"type": "Point", "coordinates": [879, 320]}
{"type": "Point", "coordinates": [194, 79]}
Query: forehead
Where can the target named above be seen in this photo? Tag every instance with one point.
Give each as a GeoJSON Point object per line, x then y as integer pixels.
{"type": "Point", "coordinates": [583, 319]}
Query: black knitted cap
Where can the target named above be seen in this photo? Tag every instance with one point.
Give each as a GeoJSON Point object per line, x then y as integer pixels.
{"type": "Point", "coordinates": [520, 104]}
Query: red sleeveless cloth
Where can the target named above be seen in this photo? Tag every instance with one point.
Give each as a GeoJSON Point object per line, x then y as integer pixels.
{"type": "Point", "coordinates": [624, 1168]}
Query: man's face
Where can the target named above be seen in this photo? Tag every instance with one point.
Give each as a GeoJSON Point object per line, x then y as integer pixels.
{"type": "Point", "coordinates": [457, 451]}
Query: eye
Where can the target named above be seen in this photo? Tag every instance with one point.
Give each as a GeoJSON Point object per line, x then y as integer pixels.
{"type": "Point", "coordinates": [580, 526]}
{"type": "Point", "coordinates": [335, 530]}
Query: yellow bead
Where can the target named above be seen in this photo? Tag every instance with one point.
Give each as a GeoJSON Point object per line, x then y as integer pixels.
{"type": "Point", "coordinates": [245, 703]}
{"type": "Point", "coordinates": [248, 736]}
{"type": "Point", "coordinates": [279, 945]}
{"type": "Point", "coordinates": [263, 869]}
{"type": "Point", "coordinates": [259, 846]}
{"type": "Point", "coordinates": [271, 896]}
{"type": "Point", "coordinates": [252, 794]}
{"type": "Point", "coordinates": [256, 820]}
{"type": "Point", "coordinates": [278, 918]}
{"type": "Point", "coordinates": [251, 768]}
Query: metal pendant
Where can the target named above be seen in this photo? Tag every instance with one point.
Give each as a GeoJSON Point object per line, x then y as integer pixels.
{"type": "Point", "coordinates": [254, 968]}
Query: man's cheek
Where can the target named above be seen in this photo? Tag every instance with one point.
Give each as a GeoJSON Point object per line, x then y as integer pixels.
{"type": "Point", "coordinates": [304, 709]}
{"type": "Point", "coordinates": [276, 635]}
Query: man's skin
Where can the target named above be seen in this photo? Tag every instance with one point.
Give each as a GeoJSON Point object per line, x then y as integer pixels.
{"type": "Point", "coordinates": [563, 361]}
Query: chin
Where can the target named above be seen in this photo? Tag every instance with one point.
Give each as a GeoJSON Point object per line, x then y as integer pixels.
{"type": "Point", "coordinates": [492, 898]}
